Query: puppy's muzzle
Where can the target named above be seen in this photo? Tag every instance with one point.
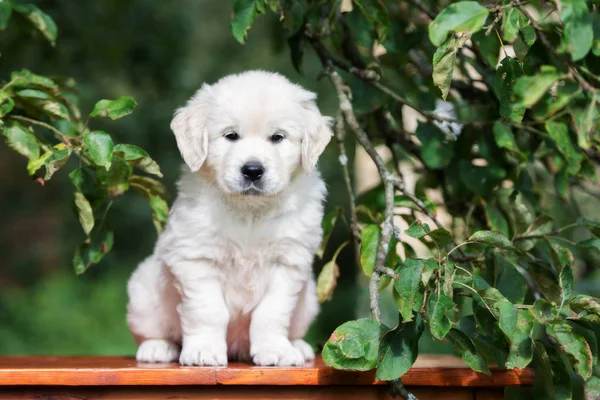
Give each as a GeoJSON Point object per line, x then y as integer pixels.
{"type": "Point", "coordinates": [253, 171]}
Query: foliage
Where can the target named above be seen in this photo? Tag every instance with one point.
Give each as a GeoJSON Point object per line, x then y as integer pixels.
{"type": "Point", "coordinates": [41, 120]}
{"type": "Point", "coordinates": [509, 152]}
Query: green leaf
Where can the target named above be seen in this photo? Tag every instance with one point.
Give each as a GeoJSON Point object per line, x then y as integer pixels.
{"type": "Point", "coordinates": [6, 106]}
{"type": "Point", "coordinates": [493, 239]}
{"type": "Point", "coordinates": [5, 13]}
{"type": "Point", "coordinates": [559, 133]}
{"type": "Point", "coordinates": [552, 374]}
{"type": "Point", "coordinates": [327, 225]}
{"type": "Point", "coordinates": [465, 347]}
{"type": "Point", "coordinates": [444, 59]}
{"type": "Point", "coordinates": [430, 267]}
{"type": "Point", "coordinates": [408, 293]}
{"type": "Point", "coordinates": [156, 194]}
{"type": "Point", "coordinates": [436, 150]}
{"type": "Point", "coordinates": [369, 243]}
{"type": "Point", "coordinates": [516, 325]}
{"type": "Point", "coordinates": [160, 212]}
{"type": "Point", "coordinates": [543, 311]}
{"type": "Point", "coordinates": [116, 178]}
{"type": "Point", "coordinates": [505, 139]}
{"type": "Point", "coordinates": [420, 230]}
{"type": "Point", "coordinates": [25, 78]}
{"type": "Point", "coordinates": [586, 303]}
{"type": "Point", "coordinates": [528, 90]}
{"type": "Point", "coordinates": [592, 388]}
{"type": "Point", "coordinates": [506, 75]}
{"type": "Point", "coordinates": [22, 141]}
{"type": "Point", "coordinates": [376, 12]}
{"type": "Point", "coordinates": [496, 220]}
{"type": "Point", "coordinates": [354, 345]}
{"type": "Point", "coordinates": [417, 229]}
{"type": "Point", "coordinates": [463, 16]}
{"type": "Point", "coordinates": [437, 308]}
{"type": "Point", "coordinates": [541, 226]}
{"type": "Point", "coordinates": [39, 19]}
{"type": "Point", "coordinates": [510, 24]}
{"type": "Point", "coordinates": [56, 160]}
{"type": "Point", "coordinates": [92, 252]}
{"type": "Point", "coordinates": [34, 165]}
{"type": "Point", "coordinates": [33, 94]}
{"type": "Point", "coordinates": [114, 109]}
{"type": "Point", "coordinates": [509, 280]}
{"type": "Point", "coordinates": [398, 350]}
{"type": "Point", "coordinates": [566, 282]}
{"type": "Point", "coordinates": [86, 183]}
{"type": "Point", "coordinates": [245, 13]}
{"type": "Point", "coordinates": [138, 158]}
{"type": "Point", "coordinates": [85, 214]}
{"type": "Point", "coordinates": [100, 147]}
{"type": "Point", "coordinates": [578, 27]}
{"type": "Point", "coordinates": [480, 180]}
{"type": "Point", "coordinates": [574, 346]}
{"type": "Point", "coordinates": [592, 225]}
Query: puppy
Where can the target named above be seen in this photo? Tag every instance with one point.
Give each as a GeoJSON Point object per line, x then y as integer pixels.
{"type": "Point", "coordinates": [231, 275]}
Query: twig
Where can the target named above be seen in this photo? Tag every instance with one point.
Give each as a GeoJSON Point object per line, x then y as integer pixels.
{"type": "Point", "coordinates": [572, 68]}
{"type": "Point", "coordinates": [343, 158]}
{"type": "Point", "coordinates": [388, 179]}
{"type": "Point", "coordinates": [56, 132]}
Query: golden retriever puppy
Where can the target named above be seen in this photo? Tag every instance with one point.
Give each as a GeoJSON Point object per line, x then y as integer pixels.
{"type": "Point", "coordinates": [231, 275]}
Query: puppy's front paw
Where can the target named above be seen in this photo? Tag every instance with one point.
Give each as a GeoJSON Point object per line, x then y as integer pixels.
{"type": "Point", "coordinates": [203, 354]}
{"type": "Point", "coordinates": [157, 351]}
{"type": "Point", "coordinates": [304, 348]}
{"type": "Point", "coordinates": [277, 352]}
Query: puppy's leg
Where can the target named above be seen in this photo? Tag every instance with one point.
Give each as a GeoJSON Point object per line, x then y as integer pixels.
{"type": "Point", "coordinates": [305, 312]}
{"type": "Point", "coordinates": [270, 324]}
{"type": "Point", "coordinates": [151, 313]}
{"type": "Point", "coordinates": [203, 313]}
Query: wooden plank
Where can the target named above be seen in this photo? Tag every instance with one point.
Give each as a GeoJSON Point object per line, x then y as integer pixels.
{"type": "Point", "coordinates": [227, 393]}
{"type": "Point", "coordinates": [429, 370]}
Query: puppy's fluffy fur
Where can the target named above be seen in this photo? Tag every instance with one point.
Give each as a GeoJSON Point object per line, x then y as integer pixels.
{"type": "Point", "coordinates": [231, 276]}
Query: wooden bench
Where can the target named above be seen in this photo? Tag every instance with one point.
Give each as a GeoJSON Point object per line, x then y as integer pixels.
{"type": "Point", "coordinates": [61, 378]}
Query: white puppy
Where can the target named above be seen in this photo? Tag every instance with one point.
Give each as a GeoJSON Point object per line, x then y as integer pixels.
{"type": "Point", "coordinates": [231, 276]}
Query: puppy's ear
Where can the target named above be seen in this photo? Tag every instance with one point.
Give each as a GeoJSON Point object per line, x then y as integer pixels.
{"type": "Point", "coordinates": [189, 127]}
{"type": "Point", "coordinates": [317, 134]}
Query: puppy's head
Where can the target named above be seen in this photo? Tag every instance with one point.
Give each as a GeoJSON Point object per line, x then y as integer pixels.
{"type": "Point", "coordinates": [252, 132]}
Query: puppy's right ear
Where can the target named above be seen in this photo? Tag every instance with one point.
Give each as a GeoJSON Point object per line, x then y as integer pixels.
{"type": "Point", "coordinates": [189, 127]}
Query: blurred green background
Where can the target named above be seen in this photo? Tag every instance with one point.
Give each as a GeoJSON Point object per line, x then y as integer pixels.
{"type": "Point", "coordinates": [159, 53]}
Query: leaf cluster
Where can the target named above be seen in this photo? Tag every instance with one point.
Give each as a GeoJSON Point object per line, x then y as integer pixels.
{"type": "Point", "coordinates": [40, 119]}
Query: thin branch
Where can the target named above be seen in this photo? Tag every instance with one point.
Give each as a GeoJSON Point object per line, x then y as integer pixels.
{"type": "Point", "coordinates": [343, 158]}
{"type": "Point", "coordinates": [388, 179]}
{"type": "Point", "coordinates": [56, 132]}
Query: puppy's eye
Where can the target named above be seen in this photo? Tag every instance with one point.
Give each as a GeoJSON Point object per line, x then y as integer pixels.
{"type": "Point", "coordinates": [232, 136]}
{"type": "Point", "coordinates": [277, 137]}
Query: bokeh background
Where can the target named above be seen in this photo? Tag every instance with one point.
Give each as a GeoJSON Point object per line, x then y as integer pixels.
{"type": "Point", "coordinates": [159, 53]}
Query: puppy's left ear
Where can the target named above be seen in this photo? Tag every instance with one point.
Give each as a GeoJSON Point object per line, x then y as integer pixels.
{"type": "Point", "coordinates": [317, 134]}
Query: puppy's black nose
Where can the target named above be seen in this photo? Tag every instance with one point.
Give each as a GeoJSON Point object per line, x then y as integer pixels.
{"type": "Point", "coordinates": [253, 170]}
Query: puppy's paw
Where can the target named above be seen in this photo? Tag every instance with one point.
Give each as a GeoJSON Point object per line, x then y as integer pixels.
{"type": "Point", "coordinates": [157, 351]}
{"type": "Point", "coordinates": [203, 354]}
{"type": "Point", "coordinates": [278, 353]}
{"type": "Point", "coordinates": [304, 348]}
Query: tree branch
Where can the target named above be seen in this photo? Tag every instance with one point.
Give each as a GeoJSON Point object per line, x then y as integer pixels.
{"type": "Point", "coordinates": [343, 158]}
{"type": "Point", "coordinates": [388, 179]}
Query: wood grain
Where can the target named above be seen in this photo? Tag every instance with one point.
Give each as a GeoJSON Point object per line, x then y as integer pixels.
{"type": "Point", "coordinates": [429, 370]}
{"type": "Point", "coordinates": [230, 393]}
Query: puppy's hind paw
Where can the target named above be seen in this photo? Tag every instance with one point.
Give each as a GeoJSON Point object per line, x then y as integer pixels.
{"type": "Point", "coordinates": [157, 351]}
{"type": "Point", "coordinates": [280, 353]}
{"type": "Point", "coordinates": [304, 348]}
